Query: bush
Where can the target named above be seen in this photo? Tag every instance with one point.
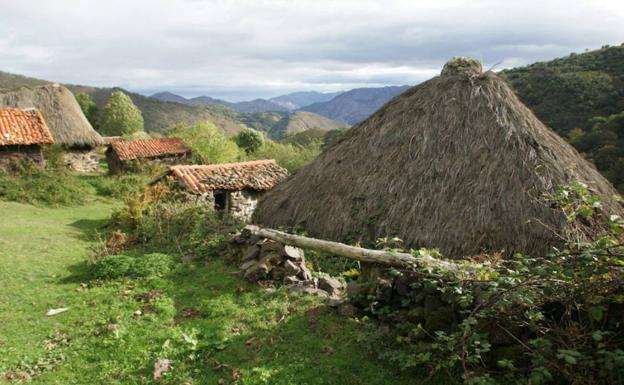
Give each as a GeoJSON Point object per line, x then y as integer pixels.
{"type": "Point", "coordinates": [55, 186]}
{"type": "Point", "coordinates": [118, 186]}
{"type": "Point", "coordinates": [144, 266]}
{"type": "Point", "coordinates": [208, 143]}
{"type": "Point", "coordinates": [121, 116]}
{"type": "Point", "coordinates": [290, 156]}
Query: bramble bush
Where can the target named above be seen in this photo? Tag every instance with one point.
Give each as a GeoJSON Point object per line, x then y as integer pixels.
{"type": "Point", "coordinates": [553, 319]}
{"type": "Point", "coordinates": [144, 266]}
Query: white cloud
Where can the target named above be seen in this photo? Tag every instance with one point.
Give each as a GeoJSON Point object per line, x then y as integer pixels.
{"type": "Point", "coordinates": [241, 49]}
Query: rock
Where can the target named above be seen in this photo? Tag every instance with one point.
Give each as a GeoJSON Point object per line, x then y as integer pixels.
{"type": "Point", "coordinates": [161, 366]}
{"type": "Point", "coordinates": [354, 290]}
{"type": "Point", "coordinates": [294, 253]}
{"type": "Point", "coordinates": [270, 259]}
{"type": "Point", "coordinates": [347, 310]}
{"type": "Point", "coordinates": [291, 268]}
{"type": "Point", "coordinates": [384, 290]}
{"type": "Point", "coordinates": [271, 246]}
{"type": "Point", "coordinates": [291, 280]}
{"type": "Point", "coordinates": [439, 319]}
{"type": "Point", "coordinates": [330, 285]}
{"type": "Point", "coordinates": [305, 274]}
{"type": "Point", "coordinates": [256, 272]}
{"type": "Point", "coordinates": [309, 290]}
{"type": "Point", "coordinates": [432, 303]}
{"type": "Point", "coordinates": [246, 265]}
{"type": "Point", "coordinates": [252, 252]}
{"type": "Point", "coordinates": [278, 273]}
{"type": "Point", "coordinates": [314, 314]}
{"type": "Point", "coordinates": [335, 301]}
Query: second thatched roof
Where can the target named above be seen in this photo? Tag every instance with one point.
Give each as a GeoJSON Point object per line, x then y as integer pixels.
{"type": "Point", "coordinates": [457, 163]}
{"type": "Point", "coordinates": [60, 110]}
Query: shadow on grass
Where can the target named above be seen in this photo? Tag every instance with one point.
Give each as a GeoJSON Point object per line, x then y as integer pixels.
{"type": "Point", "coordinates": [91, 229]}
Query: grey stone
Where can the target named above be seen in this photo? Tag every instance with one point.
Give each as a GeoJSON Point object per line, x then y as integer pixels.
{"type": "Point", "coordinates": [432, 303]}
{"type": "Point", "coordinates": [305, 274]}
{"type": "Point", "coordinates": [246, 265]}
{"type": "Point", "coordinates": [294, 253]}
{"type": "Point", "coordinates": [335, 301]}
{"type": "Point", "coordinates": [252, 252]}
{"type": "Point", "coordinates": [347, 310]}
{"type": "Point", "coordinates": [256, 272]}
{"type": "Point", "coordinates": [291, 280]}
{"type": "Point", "coordinates": [277, 273]}
{"type": "Point", "coordinates": [291, 268]}
{"type": "Point", "coordinates": [309, 290]}
{"type": "Point", "coordinates": [354, 290]}
{"type": "Point", "coordinates": [271, 246]}
{"type": "Point", "coordinates": [330, 285]}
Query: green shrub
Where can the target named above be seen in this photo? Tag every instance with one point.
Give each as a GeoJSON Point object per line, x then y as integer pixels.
{"type": "Point", "coordinates": [191, 229]}
{"type": "Point", "coordinates": [118, 186]}
{"type": "Point", "coordinates": [290, 156]}
{"type": "Point", "coordinates": [144, 266]}
{"type": "Point", "coordinates": [55, 186]}
{"type": "Point", "coordinates": [208, 143]}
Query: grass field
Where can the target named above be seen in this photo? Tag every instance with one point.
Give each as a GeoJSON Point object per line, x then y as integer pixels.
{"type": "Point", "coordinates": [214, 328]}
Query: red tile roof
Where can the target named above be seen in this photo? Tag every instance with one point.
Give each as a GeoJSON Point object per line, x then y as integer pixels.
{"type": "Point", "coordinates": [150, 148]}
{"type": "Point", "coordinates": [23, 127]}
{"type": "Point", "coordinates": [255, 175]}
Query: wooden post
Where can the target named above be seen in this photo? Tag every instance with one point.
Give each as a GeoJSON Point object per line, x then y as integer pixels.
{"type": "Point", "coordinates": [384, 257]}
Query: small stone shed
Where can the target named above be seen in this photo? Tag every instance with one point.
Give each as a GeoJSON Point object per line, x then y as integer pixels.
{"type": "Point", "coordinates": [22, 133]}
{"type": "Point", "coordinates": [121, 153]}
{"type": "Point", "coordinates": [231, 187]}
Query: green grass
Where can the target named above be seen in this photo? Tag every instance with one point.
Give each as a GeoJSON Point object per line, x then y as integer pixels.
{"type": "Point", "coordinates": [210, 323]}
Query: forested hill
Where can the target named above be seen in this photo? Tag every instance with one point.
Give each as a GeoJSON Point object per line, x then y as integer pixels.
{"type": "Point", "coordinates": [566, 93]}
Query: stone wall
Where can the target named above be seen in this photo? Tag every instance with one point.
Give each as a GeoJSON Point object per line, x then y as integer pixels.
{"type": "Point", "coordinates": [12, 155]}
{"type": "Point", "coordinates": [86, 161]}
{"type": "Point", "coordinates": [241, 204]}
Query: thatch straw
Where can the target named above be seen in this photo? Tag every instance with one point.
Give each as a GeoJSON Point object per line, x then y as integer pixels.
{"type": "Point", "coordinates": [61, 111]}
{"type": "Point", "coordinates": [457, 163]}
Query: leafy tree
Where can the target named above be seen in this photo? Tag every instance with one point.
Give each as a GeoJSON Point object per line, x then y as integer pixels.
{"type": "Point", "coordinates": [88, 107]}
{"type": "Point", "coordinates": [121, 116]}
{"type": "Point", "coordinates": [208, 143]}
{"type": "Point", "coordinates": [249, 140]}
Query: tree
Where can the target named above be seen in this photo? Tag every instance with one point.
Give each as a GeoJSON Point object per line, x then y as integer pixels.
{"type": "Point", "coordinates": [208, 143]}
{"type": "Point", "coordinates": [249, 140]}
{"type": "Point", "coordinates": [88, 107]}
{"type": "Point", "coordinates": [121, 116]}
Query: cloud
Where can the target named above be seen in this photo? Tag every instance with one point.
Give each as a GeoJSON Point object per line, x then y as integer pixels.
{"type": "Point", "coordinates": [241, 49]}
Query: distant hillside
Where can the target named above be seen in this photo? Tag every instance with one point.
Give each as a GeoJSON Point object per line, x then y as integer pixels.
{"type": "Point", "coordinates": [565, 93]}
{"type": "Point", "coordinates": [296, 100]}
{"type": "Point", "coordinates": [279, 125]}
{"type": "Point", "coordinates": [356, 105]}
{"type": "Point", "coordinates": [302, 121]}
{"type": "Point", "coordinates": [252, 106]}
{"type": "Point", "coordinates": [159, 116]}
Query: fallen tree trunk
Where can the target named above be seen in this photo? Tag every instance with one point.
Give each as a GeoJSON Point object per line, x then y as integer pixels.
{"type": "Point", "coordinates": [383, 257]}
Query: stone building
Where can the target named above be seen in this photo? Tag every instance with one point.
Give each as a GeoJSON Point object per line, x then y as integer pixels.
{"type": "Point", "coordinates": [233, 188]}
{"type": "Point", "coordinates": [121, 154]}
{"type": "Point", "coordinates": [22, 133]}
{"type": "Point", "coordinates": [68, 125]}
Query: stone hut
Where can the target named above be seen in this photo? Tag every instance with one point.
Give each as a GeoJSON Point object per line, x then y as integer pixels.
{"type": "Point", "coordinates": [120, 154]}
{"type": "Point", "coordinates": [22, 132]}
{"type": "Point", "coordinates": [233, 188]}
{"type": "Point", "coordinates": [68, 125]}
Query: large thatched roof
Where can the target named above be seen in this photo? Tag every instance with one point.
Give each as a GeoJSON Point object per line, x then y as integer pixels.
{"type": "Point", "coordinates": [457, 162]}
{"type": "Point", "coordinates": [68, 124]}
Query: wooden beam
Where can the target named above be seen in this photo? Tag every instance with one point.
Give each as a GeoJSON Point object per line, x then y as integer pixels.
{"type": "Point", "coordinates": [383, 257]}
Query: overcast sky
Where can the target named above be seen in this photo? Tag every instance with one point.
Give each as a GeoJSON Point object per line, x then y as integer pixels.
{"type": "Point", "coordinates": [259, 48]}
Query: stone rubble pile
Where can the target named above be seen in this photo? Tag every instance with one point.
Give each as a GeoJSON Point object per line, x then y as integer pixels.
{"type": "Point", "coordinates": [265, 259]}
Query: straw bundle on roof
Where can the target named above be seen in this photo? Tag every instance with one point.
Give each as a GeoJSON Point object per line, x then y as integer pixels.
{"type": "Point", "coordinates": [58, 106]}
{"type": "Point", "coordinates": [457, 163]}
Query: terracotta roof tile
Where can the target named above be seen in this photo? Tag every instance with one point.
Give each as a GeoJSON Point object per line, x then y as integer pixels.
{"type": "Point", "coordinates": [151, 148]}
{"type": "Point", "coordinates": [256, 175]}
{"type": "Point", "coordinates": [23, 127]}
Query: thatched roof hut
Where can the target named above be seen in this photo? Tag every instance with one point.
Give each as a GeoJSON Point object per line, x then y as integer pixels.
{"type": "Point", "coordinates": [61, 111]}
{"type": "Point", "coordinates": [457, 162]}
